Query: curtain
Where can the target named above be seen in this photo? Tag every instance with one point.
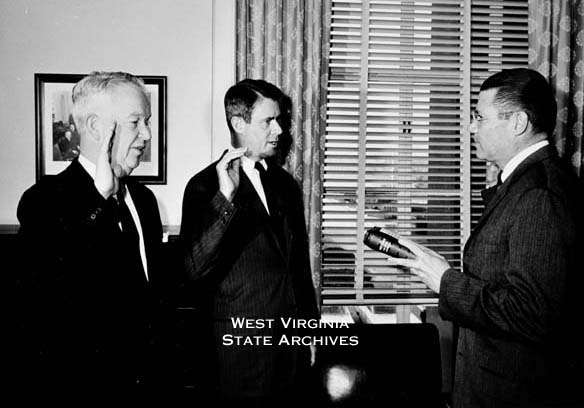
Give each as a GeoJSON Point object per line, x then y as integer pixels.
{"type": "Point", "coordinates": [286, 42]}
{"type": "Point", "coordinates": [556, 47]}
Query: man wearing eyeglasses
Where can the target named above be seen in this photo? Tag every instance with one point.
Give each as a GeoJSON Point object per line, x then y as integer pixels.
{"type": "Point", "coordinates": [515, 300]}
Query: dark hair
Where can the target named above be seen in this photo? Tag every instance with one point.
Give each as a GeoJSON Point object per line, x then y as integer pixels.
{"type": "Point", "coordinates": [527, 90]}
{"type": "Point", "coordinates": [240, 98]}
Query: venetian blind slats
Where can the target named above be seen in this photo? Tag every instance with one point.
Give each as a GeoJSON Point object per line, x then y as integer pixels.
{"type": "Point", "coordinates": [411, 139]}
{"type": "Point", "coordinates": [499, 40]}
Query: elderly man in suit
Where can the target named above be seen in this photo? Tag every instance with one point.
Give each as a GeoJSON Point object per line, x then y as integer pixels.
{"type": "Point", "coordinates": [90, 240]}
{"type": "Point", "coordinates": [244, 229]}
{"type": "Point", "coordinates": [515, 300]}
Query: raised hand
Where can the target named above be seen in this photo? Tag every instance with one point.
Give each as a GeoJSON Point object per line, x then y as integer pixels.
{"type": "Point", "coordinates": [107, 174]}
{"type": "Point", "coordinates": [228, 171]}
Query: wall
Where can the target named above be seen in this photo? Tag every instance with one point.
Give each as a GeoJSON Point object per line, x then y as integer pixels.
{"type": "Point", "coordinates": [189, 41]}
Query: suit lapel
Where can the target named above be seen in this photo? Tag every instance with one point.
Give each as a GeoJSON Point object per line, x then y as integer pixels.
{"type": "Point", "coordinates": [488, 194]}
{"type": "Point", "coordinates": [144, 215]}
{"type": "Point", "coordinates": [281, 209]}
{"type": "Point", "coordinates": [253, 209]}
{"type": "Point", "coordinates": [83, 192]}
{"type": "Point", "coordinates": [497, 196]}
{"type": "Point", "coordinates": [76, 176]}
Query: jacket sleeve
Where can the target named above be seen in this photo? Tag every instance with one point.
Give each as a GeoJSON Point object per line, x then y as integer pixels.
{"type": "Point", "coordinates": [528, 298]}
{"type": "Point", "coordinates": [57, 228]}
{"type": "Point", "coordinates": [56, 236]}
{"type": "Point", "coordinates": [206, 216]}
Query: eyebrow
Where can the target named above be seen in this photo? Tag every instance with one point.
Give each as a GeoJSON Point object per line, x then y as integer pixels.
{"type": "Point", "coordinates": [138, 114]}
{"type": "Point", "coordinates": [268, 118]}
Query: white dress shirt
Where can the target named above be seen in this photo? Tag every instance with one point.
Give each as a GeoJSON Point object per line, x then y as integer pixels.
{"type": "Point", "coordinates": [91, 169]}
{"type": "Point", "coordinates": [254, 176]}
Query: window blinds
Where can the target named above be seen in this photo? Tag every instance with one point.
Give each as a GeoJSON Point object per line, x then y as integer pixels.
{"type": "Point", "coordinates": [499, 40]}
{"type": "Point", "coordinates": [395, 150]}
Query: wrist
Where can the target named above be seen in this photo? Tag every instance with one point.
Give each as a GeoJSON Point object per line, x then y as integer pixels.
{"type": "Point", "coordinates": [105, 192]}
{"type": "Point", "coordinates": [227, 194]}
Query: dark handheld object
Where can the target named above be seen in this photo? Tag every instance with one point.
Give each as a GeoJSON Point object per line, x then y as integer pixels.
{"type": "Point", "coordinates": [380, 241]}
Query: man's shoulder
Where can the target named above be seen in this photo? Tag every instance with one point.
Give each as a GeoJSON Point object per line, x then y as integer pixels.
{"type": "Point", "coordinates": [285, 178]}
{"type": "Point", "coordinates": [51, 184]}
{"type": "Point", "coordinates": [50, 192]}
{"type": "Point", "coordinates": [280, 171]}
{"type": "Point", "coordinates": [47, 185]}
{"type": "Point", "coordinates": [550, 174]}
{"type": "Point", "coordinates": [204, 177]}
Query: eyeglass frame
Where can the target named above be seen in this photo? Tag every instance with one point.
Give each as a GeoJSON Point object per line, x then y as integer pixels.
{"type": "Point", "coordinates": [475, 116]}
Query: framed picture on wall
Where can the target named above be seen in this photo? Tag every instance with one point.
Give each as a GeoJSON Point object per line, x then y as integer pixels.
{"type": "Point", "coordinates": [57, 138]}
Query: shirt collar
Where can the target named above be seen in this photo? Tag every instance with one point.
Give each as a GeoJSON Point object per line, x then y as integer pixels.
{"type": "Point", "coordinates": [520, 157]}
{"type": "Point", "coordinates": [248, 164]}
{"type": "Point", "coordinates": [89, 166]}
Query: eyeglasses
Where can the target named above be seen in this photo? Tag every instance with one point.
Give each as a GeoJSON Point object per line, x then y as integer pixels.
{"type": "Point", "coordinates": [475, 116]}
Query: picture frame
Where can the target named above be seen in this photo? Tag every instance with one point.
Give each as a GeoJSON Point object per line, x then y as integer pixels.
{"type": "Point", "coordinates": [57, 139]}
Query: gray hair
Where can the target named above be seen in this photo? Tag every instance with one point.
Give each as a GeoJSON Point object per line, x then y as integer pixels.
{"type": "Point", "coordinates": [98, 82]}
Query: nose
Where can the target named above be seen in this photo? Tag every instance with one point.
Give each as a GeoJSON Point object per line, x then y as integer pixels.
{"type": "Point", "coordinates": [473, 126]}
{"type": "Point", "coordinates": [276, 128]}
{"type": "Point", "coordinates": [145, 132]}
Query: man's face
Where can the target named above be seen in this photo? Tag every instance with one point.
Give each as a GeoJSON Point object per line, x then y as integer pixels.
{"type": "Point", "coordinates": [131, 111]}
{"type": "Point", "coordinates": [260, 136]}
{"type": "Point", "coordinates": [490, 129]}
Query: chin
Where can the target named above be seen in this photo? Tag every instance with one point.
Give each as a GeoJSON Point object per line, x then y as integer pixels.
{"type": "Point", "coordinates": [479, 153]}
{"type": "Point", "coordinates": [131, 166]}
{"type": "Point", "coordinates": [127, 170]}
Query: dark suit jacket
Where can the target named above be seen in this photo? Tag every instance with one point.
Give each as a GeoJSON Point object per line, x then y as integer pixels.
{"type": "Point", "coordinates": [85, 313]}
{"type": "Point", "coordinates": [516, 300]}
{"type": "Point", "coordinates": [233, 250]}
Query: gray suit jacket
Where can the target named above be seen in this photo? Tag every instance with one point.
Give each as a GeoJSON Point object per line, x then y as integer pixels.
{"type": "Point", "coordinates": [515, 303]}
{"type": "Point", "coordinates": [233, 250]}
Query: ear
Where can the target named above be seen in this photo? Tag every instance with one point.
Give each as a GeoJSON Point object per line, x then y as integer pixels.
{"type": "Point", "coordinates": [520, 123]}
{"type": "Point", "coordinates": [94, 125]}
{"type": "Point", "coordinates": [238, 124]}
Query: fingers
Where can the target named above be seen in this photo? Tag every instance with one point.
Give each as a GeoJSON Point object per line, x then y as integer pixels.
{"type": "Point", "coordinates": [411, 245]}
{"type": "Point", "coordinates": [108, 139]}
{"type": "Point", "coordinates": [408, 263]}
{"type": "Point", "coordinates": [104, 181]}
{"type": "Point", "coordinates": [228, 171]}
{"type": "Point", "coordinates": [229, 158]}
{"type": "Point", "coordinates": [417, 249]}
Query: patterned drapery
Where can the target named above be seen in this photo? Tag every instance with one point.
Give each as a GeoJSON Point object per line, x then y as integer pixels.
{"type": "Point", "coordinates": [556, 50]}
{"type": "Point", "coordinates": [286, 42]}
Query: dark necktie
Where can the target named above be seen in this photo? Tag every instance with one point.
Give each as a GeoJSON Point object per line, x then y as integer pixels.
{"type": "Point", "coordinates": [266, 185]}
{"type": "Point", "coordinates": [489, 193]}
{"type": "Point", "coordinates": [499, 180]}
{"type": "Point", "coordinates": [129, 231]}
{"type": "Point", "coordinates": [275, 218]}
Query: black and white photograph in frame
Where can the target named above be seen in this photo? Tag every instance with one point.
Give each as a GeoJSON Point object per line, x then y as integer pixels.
{"type": "Point", "coordinates": [57, 138]}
